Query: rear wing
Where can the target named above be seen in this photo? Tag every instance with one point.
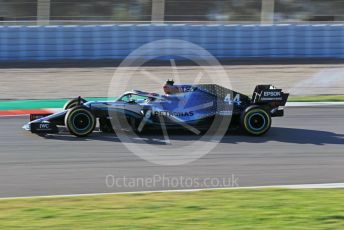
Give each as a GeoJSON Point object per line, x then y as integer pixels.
{"type": "Point", "coordinates": [268, 94]}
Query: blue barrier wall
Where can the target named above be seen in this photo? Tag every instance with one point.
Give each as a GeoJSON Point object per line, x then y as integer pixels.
{"type": "Point", "coordinates": [223, 41]}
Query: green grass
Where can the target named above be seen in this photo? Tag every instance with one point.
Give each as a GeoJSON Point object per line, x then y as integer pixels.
{"type": "Point", "coordinates": [316, 98]}
{"type": "Point", "coordinates": [221, 209]}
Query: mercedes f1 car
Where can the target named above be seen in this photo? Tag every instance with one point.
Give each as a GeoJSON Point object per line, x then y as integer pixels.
{"type": "Point", "coordinates": [192, 107]}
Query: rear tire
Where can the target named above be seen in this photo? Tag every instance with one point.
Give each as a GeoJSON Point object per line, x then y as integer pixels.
{"type": "Point", "coordinates": [80, 121]}
{"type": "Point", "coordinates": [255, 120]}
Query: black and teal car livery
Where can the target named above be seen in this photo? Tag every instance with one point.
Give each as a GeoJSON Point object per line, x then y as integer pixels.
{"type": "Point", "coordinates": [191, 107]}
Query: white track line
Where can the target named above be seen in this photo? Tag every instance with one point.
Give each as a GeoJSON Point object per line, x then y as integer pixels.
{"type": "Point", "coordinates": [18, 115]}
{"type": "Point", "coordinates": [310, 104]}
{"type": "Point", "coordinates": [297, 186]}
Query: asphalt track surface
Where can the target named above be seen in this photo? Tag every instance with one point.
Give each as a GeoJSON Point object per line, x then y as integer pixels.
{"type": "Point", "coordinates": [304, 147]}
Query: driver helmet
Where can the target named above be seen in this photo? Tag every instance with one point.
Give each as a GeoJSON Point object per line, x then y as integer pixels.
{"type": "Point", "coordinates": [169, 87]}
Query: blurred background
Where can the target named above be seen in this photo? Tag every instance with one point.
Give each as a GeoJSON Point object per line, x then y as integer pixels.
{"type": "Point", "coordinates": [230, 11]}
{"type": "Point", "coordinates": [303, 39]}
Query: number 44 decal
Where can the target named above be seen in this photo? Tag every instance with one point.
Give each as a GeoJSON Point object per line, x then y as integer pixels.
{"type": "Point", "coordinates": [236, 99]}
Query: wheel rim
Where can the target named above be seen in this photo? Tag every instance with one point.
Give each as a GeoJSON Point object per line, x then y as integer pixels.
{"type": "Point", "coordinates": [256, 121]}
{"type": "Point", "coordinates": [81, 121]}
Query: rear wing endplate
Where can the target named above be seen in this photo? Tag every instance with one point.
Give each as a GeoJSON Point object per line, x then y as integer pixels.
{"type": "Point", "coordinates": [268, 94]}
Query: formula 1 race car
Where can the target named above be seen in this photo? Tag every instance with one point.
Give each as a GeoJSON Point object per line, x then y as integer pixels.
{"type": "Point", "coordinates": [192, 107]}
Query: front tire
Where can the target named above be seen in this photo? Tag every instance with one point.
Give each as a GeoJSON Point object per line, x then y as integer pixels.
{"type": "Point", "coordinates": [80, 121]}
{"type": "Point", "coordinates": [73, 103]}
{"type": "Point", "coordinates": [256, 120]}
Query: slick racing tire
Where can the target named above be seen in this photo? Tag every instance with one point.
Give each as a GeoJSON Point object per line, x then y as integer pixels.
{"type": "Point", "coordinates": [73, 103]}
{"type": "Point", "coordinates": [256, 120]}
{"type": "Point", "coordinates": [80, 121]}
